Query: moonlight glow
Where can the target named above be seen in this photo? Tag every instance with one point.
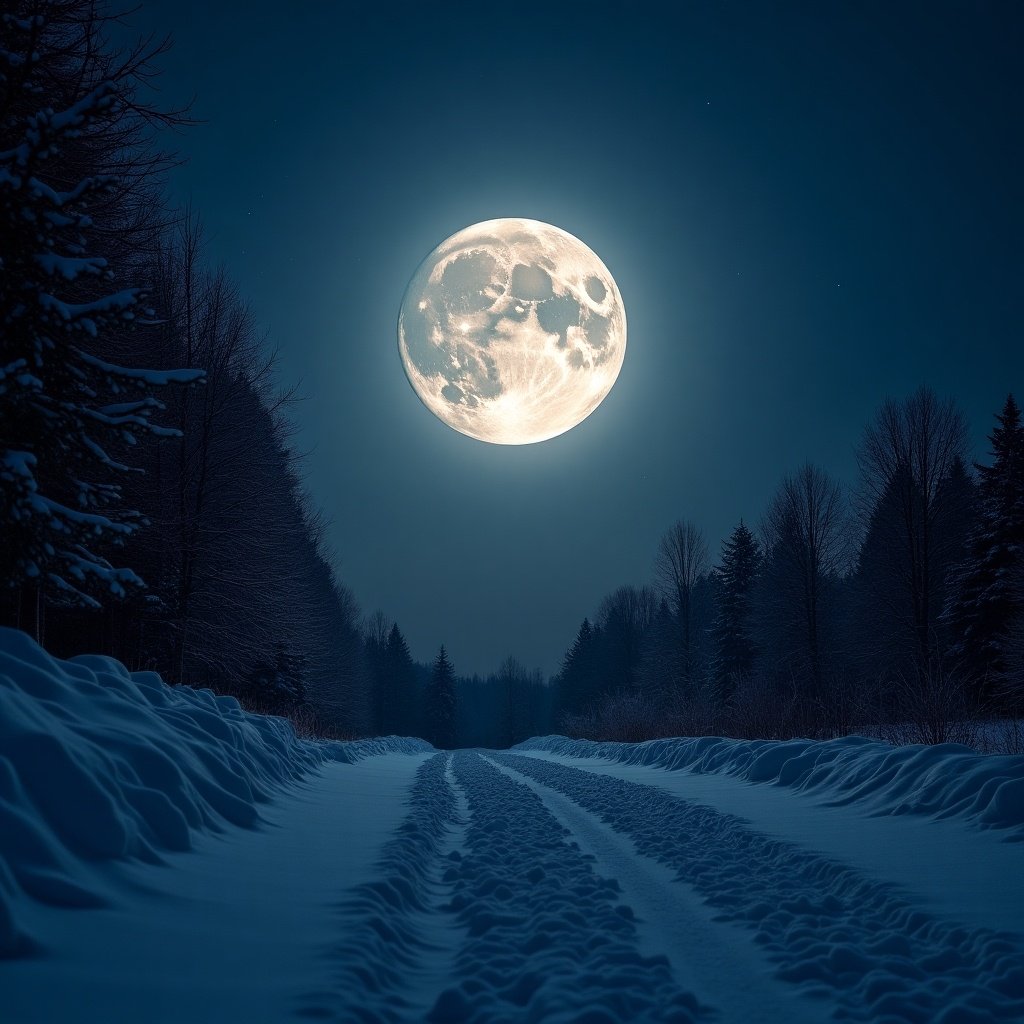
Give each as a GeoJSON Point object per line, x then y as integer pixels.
{"type": "Point", "coordinates": [512, 331]}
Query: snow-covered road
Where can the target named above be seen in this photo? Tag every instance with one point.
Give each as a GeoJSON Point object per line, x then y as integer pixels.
{"type": "Point", "coordinates": [534, 886]}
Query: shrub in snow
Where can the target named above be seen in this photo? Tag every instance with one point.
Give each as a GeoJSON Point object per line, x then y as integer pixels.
{"type": "Point", "coordinates": [278, 685]}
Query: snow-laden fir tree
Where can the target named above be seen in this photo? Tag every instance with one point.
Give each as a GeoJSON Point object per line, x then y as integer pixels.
{"type": "Point", "coordinates": [68, 413]}
{"type": "Point", "coordinates": [987, 601]}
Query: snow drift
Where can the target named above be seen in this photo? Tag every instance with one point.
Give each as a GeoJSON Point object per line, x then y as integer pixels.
{"type": "Point", "coordinates": [860, 947]}
{"type": "Point", "coordinates": [97, 763]}
{"type": "Point", "coordinates": [945, 781]}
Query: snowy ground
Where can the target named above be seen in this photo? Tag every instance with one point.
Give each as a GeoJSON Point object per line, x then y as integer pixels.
{"type": "Point", "coordinates": [673, 881]}
{"type": "Point", "coordinates": [235, 929]}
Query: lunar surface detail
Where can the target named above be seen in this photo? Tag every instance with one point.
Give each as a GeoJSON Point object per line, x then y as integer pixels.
{"type": "Point", "coordinates": [512, 331]}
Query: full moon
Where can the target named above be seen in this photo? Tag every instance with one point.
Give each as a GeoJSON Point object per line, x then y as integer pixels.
{"type": "Point", "coordinates": [512, 331]}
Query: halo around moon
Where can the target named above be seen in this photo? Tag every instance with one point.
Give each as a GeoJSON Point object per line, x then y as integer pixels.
{"type": "Point", "coordinates": [512, 331]}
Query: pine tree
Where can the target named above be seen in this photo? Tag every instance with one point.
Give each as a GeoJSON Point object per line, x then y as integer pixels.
{"type": "Point", "coordinates": [882, 639]}
{"type": "Point", "coordinates": [400, 674]}
{"type": "Point", "coordinates": [986, 603]}
{"type": "Point", "coordinates": [441, 702]}
{"type": "Point", "coordinates": [67, 416]}
{"type": "Point", "coordinates": [575, 679]}
{"type": "Point", "coordinates": [733, 636]}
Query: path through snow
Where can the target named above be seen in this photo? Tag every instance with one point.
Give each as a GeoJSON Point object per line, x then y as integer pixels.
{"type": "Point", "coordinates": [515, 886]}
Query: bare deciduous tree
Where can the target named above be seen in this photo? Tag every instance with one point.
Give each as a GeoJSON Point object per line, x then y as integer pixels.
{"type": "Point", "coordinates": [681, 561]}
{"type": "Point", "coordinates": [624, 618]}
{"type": "Point", "coordinates": [805, 540]}
{"type": "Point", "coordinates": [377, 628]}
{"type": "Point", "coordinates": [906, 457]}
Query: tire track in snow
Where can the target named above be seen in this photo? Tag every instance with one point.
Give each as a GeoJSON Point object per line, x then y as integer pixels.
{"type": "Point", "coordinates": [438, 927]}
{"type": "Point", "coordinates": [830, 930]}
{"type": "Point", "coordinates": [706, 955]}
{"type": "Point", "coordinates": [397, 946]}
{"type": "Point", "coordinates": [945, 866]}
{"type": "Point", "coordinates": [546, 937]}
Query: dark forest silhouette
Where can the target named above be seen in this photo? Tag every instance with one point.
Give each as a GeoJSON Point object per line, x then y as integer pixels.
{"type": "Point", "coordinates": [186, 477]}
{"type": "Point", "coordinates": [158, 514]}
{"type": "Point", "coordinates": [897, 606]}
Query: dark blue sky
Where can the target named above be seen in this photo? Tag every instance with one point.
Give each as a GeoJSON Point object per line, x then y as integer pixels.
{"type": "Point", "coordinates": [807, 207]}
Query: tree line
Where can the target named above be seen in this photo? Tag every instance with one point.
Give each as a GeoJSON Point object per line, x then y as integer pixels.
{"type": "Point", "coordinates": [154, 513]}
{"type": "Point", "coordinates": [432, 701]}
{"type": "Point", "coordinates": [151, 501]}
{"type": "Point", "coordinates": [898, 606]}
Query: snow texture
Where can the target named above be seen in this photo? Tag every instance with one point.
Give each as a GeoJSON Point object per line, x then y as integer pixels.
{"type": "Point", "coordinates": [250, 875]}
{"type": "Point", "coordinates": [836, 934]}
{"type": "Point", "coordinates": [97, 763]}
{"type": "Point", "coordinates": [946, 780]}
{"type": "Point", "coordinates": [539, 935]}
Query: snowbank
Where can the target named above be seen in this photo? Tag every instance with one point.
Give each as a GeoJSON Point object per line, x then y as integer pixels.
{"type": "Point", "coordinates": [350, 751]}
{"type": "Point", "coordinates": [947, 780]}
{"type": "Point", "coordinates": [97, 763]}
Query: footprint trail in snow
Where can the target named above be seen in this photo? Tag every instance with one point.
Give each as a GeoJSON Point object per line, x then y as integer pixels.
{"type": "Point", "coordinates": [521, 888]}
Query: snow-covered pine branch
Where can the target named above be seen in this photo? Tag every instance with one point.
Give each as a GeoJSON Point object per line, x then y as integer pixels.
{"type": "Point", "coordinates": [68, 145]}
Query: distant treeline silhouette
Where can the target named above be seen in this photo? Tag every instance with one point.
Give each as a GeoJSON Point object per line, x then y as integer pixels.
{"type": "Point", "coordinates": [898, 607]}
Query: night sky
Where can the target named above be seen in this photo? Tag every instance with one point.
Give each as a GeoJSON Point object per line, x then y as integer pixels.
{"type": "Point", "coordinates": [806, 207]}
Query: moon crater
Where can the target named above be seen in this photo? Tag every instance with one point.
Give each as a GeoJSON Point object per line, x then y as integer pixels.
{"type": "Point", "coordinates": [512, 331]}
